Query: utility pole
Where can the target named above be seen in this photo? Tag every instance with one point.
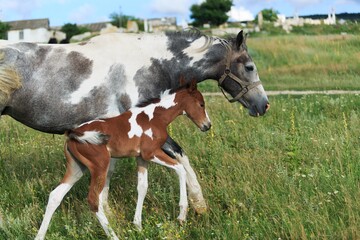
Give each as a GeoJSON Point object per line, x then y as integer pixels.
{"type": "Point", "coordinates": [120, 16]}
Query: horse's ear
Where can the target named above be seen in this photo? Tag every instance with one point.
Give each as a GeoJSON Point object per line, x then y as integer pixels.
{"type": "Point", "coordinates": [239, 39]}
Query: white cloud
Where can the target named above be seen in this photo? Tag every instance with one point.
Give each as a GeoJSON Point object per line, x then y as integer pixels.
{"type": "Point", "coordinates": [171, 7]}
{"type": "Point", "coordinates": [83, 14]}
{"type": "Point", "coordinates": [304, 3]}
{"type": "Point", "coordinates": [21, 8]}
{"type": "Point", "coordinates": [240, 14]}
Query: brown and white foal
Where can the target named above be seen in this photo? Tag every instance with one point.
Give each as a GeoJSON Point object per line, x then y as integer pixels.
{"type": "Point", "coordinates": [139, 132]}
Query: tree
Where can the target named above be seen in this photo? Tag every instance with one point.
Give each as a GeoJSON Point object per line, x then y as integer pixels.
{"type": "Point", "coordinates": [72, 29]}
{"type": "Point", "coordinates": [269, 15]}
{"type": "Point", "coordinates": [4, 28]}
{"type": "Point", "coordinates": [210, 11]}
{"type": "Point", "coordinates": [120, 20]}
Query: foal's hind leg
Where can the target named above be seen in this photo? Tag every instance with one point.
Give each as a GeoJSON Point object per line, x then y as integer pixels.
{"type": "Point", "coordinates": [105, 195]}
{"type": "Point", "coordinates": [74, 171]}
{"type": "Point", "coordinates": [100, 214]}
{"type": "Point", "coordinates": [195, 193]}
{"type": "Point", "coordinates": [98, 161]}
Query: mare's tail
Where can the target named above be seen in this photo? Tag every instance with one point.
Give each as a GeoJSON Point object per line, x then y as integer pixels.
{"type": "Point", "coordinates": [91, 137]}
{"type": "Point", "coordinates": [9, 80]}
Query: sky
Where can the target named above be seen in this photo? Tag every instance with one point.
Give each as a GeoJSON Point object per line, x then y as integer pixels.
{"type": "Point", "coordinates": [60, 12]}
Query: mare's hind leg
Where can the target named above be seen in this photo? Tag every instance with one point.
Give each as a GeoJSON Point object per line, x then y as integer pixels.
{"type": "Point", "coordinates": [195, 193]}
{"type": "Point", "coordinates": [142, 187]}
{"type": "Point", "coordinates": [74, 171]}
{"type": "Point", "coordinates": [161, 158]}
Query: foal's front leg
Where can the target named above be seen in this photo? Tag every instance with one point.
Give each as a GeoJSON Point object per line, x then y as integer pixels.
{"type": "Point", "coordinates": [161, 158]}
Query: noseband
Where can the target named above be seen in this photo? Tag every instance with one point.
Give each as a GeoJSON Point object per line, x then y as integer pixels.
{"type": "Point", "coordinates": [244, 86]}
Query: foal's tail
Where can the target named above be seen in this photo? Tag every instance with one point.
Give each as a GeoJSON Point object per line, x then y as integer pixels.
{"type": "Point", "coordinates": [91, 137]}
{"type": "Point", "coordinates": [9, 80]}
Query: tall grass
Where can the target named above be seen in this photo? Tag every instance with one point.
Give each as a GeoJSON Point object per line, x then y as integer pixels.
{"type": "Point", "coordinates": [305, 62]}
{"type": "Point", "coordinates": [292, 174]}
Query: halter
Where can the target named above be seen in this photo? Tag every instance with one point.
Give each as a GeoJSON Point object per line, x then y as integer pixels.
{"type": "Point", "coordinates": [245, 86]}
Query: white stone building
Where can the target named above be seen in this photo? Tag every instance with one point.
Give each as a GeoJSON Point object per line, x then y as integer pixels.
{"type": "Point", "coordinates": [35, 30]}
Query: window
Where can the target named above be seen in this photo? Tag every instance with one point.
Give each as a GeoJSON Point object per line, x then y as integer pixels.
{"type": "Point", "coordinates": [21, 35]}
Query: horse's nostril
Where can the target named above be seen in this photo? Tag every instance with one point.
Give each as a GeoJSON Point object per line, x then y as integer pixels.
{"type": "Point", "coordinates": [267, 107]}
{"type": "Point", "coordinates": [206, 127]}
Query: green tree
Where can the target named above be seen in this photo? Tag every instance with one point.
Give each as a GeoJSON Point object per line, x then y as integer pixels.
{"type": "Point", "coordinates": [269, 15]}
{"type": "Point", "coordinates": [4, 28]}
{"type": "Point", "coordinates": [71, 29]}
{"type": "Point", "coordinates": [210, 11]}
{"type": "Point", "coordinates": [120, 20]}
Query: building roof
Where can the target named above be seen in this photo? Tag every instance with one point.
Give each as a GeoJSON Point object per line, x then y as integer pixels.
{"type": "Point", "coordinates": [29, 24]}
{"type": "Point", "coordinates": [94, 27]}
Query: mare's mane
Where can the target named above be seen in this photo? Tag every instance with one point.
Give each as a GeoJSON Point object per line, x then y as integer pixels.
{"type": "Point", "coordinates": [192, 34]}
{"type": "Point", "coordinates": [165, 93]}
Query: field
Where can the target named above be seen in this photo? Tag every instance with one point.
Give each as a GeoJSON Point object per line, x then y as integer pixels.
{"type": "Point", "coordinates": [292, 174]}
{"type": "Point", "coordinates": [306, 62]}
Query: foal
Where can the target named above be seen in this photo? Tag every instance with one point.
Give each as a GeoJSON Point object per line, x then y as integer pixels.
{"type": "Point", "coordinates": [139, 132]}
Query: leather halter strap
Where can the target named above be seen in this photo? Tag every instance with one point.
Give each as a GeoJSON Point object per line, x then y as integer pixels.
{"type": "Point", "coordinates": [245, 86]}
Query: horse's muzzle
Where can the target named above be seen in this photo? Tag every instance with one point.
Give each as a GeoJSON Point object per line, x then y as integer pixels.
{"type": "Point", "coordinates": [205, 127]}
{"type": "Point", "coordinates": [259, 109]}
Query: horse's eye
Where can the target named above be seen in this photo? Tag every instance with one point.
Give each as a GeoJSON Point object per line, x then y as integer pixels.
{"type": "Point", "coordinates": [202, 105]}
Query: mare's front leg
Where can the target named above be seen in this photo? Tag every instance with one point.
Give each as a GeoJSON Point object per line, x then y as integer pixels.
{"type": "Point", "coordinates": [142, 187]}
{"type": "Point", "coordinates": [195, 193]}
{"type": "Point", "coordinates": [161, 158]}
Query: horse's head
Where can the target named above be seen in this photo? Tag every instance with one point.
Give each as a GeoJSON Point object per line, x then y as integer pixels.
{"type": "Point", "coordinates": [193, 104]}
{"type": "Point", "coordinates": [241, 80]}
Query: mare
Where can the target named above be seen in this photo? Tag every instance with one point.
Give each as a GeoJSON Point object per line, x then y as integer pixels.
{"type": "Point", "coordinates": [139, 132]}
{"type": "Point", "coordinates": [54, 88]}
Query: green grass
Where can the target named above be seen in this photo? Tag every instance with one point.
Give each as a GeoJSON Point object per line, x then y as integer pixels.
{"type": "Point", "coordinates": [329, 62]}
{"type": "Point", "coordinates": [292, 174]}
{"type": "Point", "coordinates": [307, 62]}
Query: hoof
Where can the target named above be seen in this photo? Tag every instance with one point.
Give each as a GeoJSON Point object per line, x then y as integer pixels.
{"type": "Point", "coordinates": [181, 221]}
{"type": "Point", "coordinates": [138, 226]}
{"type": "Point", "coordinates": [201, 210]}
{"type": "Point", "coordinates": [199, 206]}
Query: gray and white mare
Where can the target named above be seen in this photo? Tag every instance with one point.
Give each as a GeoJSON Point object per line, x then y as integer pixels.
{"type": "Point", "coordinates": [54, 88]}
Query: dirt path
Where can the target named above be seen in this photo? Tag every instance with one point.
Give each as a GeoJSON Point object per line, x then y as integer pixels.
{"type": "Point", "coordinates": [288, 92]}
